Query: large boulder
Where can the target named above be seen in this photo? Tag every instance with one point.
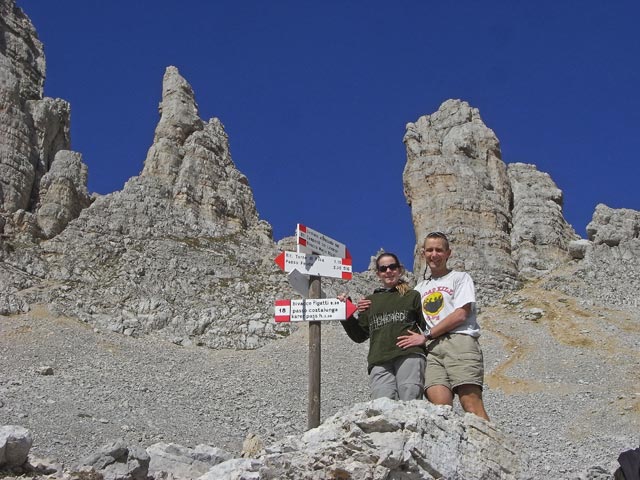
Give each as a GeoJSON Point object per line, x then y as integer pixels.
{"type": "Point", "coordinates": [15, 443]}
{"type": "Point", "coordinates": [184, 462]}
{"type": "Point", "coordinates": [385, 439]}
{"type": "Point", "coordinates": [117, 461]}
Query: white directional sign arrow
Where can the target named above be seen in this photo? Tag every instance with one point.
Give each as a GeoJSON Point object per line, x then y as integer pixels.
{"type": "Point", "coordinates": [300, 283]}
{"type": "Point", "coordinates": [318, 265]}
{"type": "Point", "coordinates": [313, 310]}
{"type": "Point", "coordinates": [311, 241]}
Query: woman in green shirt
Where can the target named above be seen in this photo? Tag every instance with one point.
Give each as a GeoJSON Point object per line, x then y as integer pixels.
{"type": "Point", "coordinates": [382, 317]}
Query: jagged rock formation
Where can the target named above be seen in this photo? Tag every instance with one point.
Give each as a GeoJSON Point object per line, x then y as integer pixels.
{"type": "Point", "coordinates": [607, 269]}
{"type": "Point", "coordinates": [33, 130]}
{"type": "Point", "coordinates": [388, 439]}
{"type": "Point", "coordinates": [193, 158]}
{"type": "Point", "coordinates": [378, 439]}
{"type": "Point", "coordinates": [179, 250]}
{"type": "Point", "coordinates": [169, 251]}
{"type": "Point", "coordinates": [614, 227]}
{"type": "Point", "coordinates": [539, 235]}
{"type": "Point", "coordinates": [456, 182]}
{"type": "Point", "coordinates": [505, 223]}
{"type": "Point", "coordinates": [63, 193]}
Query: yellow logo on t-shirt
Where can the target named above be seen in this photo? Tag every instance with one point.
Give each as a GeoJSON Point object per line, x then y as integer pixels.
{"type": "Point", "coordinates": [433, 303]}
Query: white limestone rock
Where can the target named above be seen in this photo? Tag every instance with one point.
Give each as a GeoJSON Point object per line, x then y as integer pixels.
{"type": "Point", "coordinates": [22, 63]}
{"type": "Point", "coordinates": [608, 269]}
{"type": "Point", "coordinates": [192, 158]}
{"type": "Point", "coordinates": [180, 250]}
{"type": "Point", "coordinates": [611, 226]}
{"type": "Point", "coordinates": [389, 439]}
{"type": "Point", "coordinates": [236, 469]}
{"type": "Point", "coordinates": [578, 248]}
{"type": "Point", "coordinates": [32, 128]}
{"type": "Point", "coordinates": [539, 235]}
{"type": "Point", "coordinates": [118, 461]}
{"type": "Point", "coordinates": [184, 462]}
{"type": "Point", "coordinates": [15, 443]}
{"type": "Point", "coordinates": [63, 193]}
{"type": "Point", "coordinates": [457, 183]}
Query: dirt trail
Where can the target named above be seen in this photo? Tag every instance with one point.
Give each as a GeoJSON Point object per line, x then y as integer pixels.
{"type": "Point", "coordinates": [564, 331]}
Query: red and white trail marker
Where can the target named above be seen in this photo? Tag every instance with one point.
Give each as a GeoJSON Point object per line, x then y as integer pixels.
{"type": "Point", "coordinates": [313, 310]}
{"type": "Point", "coordinates": [312, 241]}
{"type": "Point", "coordinates": [318, 265]}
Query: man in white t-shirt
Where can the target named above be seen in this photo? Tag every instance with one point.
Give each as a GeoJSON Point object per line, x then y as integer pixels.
{"type": "Point", "coordinates": [455, 364]}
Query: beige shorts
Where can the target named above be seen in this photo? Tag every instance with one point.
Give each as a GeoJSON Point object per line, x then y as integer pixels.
{"type": "Point", "coordinates": [454, 359]}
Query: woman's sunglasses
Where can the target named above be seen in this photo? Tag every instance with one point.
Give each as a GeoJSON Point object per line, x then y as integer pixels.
{"type": "Point", "coordinates": [384, 268]}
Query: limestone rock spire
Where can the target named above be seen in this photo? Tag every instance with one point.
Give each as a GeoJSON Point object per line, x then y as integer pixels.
{"type": "Point", "coordinates": [456, 182]}
{"type": "Point", "coordinates": [192, 158]}
{"type": "Point", "coordinates": [179, 111]}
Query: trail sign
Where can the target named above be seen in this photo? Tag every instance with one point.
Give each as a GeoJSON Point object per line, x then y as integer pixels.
{"type": "Point", "coordinates": [313, 310]}
{"type": "Point", "coordinates": [319, 265]}
{"type": "Point", "coordinates": [312, 241]}
{"type": "Point", "coordinates": [317, 256]}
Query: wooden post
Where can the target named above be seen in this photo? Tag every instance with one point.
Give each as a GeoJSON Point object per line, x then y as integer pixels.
{"type": "Point", "coordinates": [313, 411]}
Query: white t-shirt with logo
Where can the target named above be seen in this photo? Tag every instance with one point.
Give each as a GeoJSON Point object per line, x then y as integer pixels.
{"type": "Point", "coordinates": [442, 295]}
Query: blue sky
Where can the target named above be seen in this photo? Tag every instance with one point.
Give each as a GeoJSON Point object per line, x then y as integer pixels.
{"type": "Point", "coordinates": [315, 96]}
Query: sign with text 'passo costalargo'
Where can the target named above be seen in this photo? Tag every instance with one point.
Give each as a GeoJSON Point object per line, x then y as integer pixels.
{"type": "Point", "coordinates": [313, 310]}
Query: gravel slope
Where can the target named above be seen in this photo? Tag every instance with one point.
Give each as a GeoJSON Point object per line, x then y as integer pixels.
{"type": "Point", "coordinates": [566, 386]}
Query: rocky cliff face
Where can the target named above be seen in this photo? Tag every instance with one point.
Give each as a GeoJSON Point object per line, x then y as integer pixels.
{"type": "Point", "coordinates": [33, 130]}
{"type": "Point", "coordinates": [179, 250]}
{"type": "Point", "coordinates": [456, 182]}
{"type": "Point", "coordinates": [605, 271]}
{"type": "Point", "coordinates": [505, 223]}
{"type": "Point", "coordinates": [540, 235]}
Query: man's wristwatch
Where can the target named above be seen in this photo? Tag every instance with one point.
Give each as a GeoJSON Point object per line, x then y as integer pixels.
{"type": "Point", "coordinates": [428, 335]}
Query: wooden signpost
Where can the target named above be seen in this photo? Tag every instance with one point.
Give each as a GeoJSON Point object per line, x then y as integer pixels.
{"type": "Point", "coordinates": [317, 256]}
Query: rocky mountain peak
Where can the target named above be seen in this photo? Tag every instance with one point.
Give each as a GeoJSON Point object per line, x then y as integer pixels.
{"type": "Point", "coordinates": [540, 235]}
{"type": "Point", "coordinates": [22, 61]}
{"type": "Point", "coordinates": [33, 130]}
{"type": "Point", "coordinates": [456, 182]}
{"type": "Point", "coordinates": [178, 110]}
{"type": "Point", "coordinates": [190, 158]}
{"type": "Point", "coordinates": [170, 249]}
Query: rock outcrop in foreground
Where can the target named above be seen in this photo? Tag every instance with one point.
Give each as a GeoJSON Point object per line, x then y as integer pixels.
{"type": "Point", "coordinates": [380, 439]}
